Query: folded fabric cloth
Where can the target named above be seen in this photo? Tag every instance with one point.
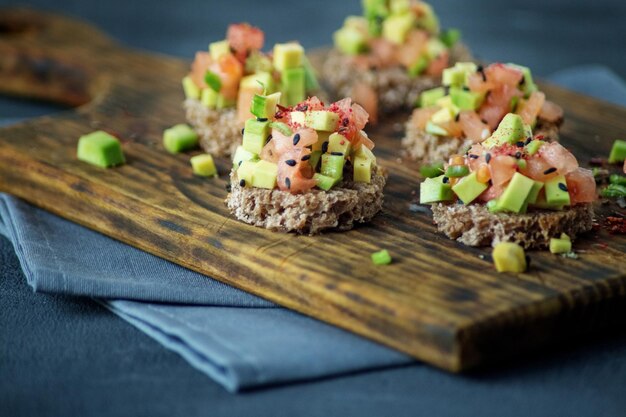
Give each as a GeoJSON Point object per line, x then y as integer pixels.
{"type": "Point", "coordinates": [237, 339]}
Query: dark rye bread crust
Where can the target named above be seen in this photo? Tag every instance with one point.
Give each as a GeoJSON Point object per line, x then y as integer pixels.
{"type": "Point", "coordinates": [474, 225]}
{"type": "Point", "coordinates": [219, 130]}
{"type": "Point", "coordinates": [426, 148]}
{"type": "Point", "coordinates": [310, 213]}
{"type": "Point", "coordinates": [395, 88]}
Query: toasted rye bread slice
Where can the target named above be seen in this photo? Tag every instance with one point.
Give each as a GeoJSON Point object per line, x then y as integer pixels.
{"type": "Point", "coordinates": [426, 148]}
{"type": "Point", "coordinates": [310, 213]}
{"type": "Point", "coordinates": [219, 130]}
{"type": "Point", "coordinates": [474, 225]}
{"type": "Point", "coordinates": [395, 88]}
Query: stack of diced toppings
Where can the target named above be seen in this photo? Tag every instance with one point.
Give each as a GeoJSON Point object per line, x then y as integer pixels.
{"type": "Point", "coordinates": [397, 32]}
{"type": "Point", "coordinates": [309, 145]}
{"type": "Point", "coordinates": [473, 101]}
{"type": "Point", "coordinates": [233, 70]}
{"type": "Point", "coordinates": [512, 171]}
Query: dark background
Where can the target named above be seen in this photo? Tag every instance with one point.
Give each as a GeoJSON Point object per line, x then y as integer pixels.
{"type": "Point", "coordinates": [63, 356]}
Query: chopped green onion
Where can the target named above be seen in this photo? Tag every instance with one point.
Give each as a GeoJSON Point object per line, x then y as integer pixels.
{"type": "Point", "coordinates": [457, 171]}
{"type": "Point", "coordinates": [432, 171]}
{"type": "Point", "coordinates": [614, 191]}
{"type": "Point", "coordinates": [381, 258]}
{"type": "Point", "coordinates": [213, 81]}
{"type": "Point", "coordinates": [617, 179]}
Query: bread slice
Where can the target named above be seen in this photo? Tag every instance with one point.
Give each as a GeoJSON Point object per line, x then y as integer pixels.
{"type": "Point", "coordinates": [310, 213]}
{"type": "Point", "coordinates": [474, 225]}
{"type": "Point", "coordinates": [395, 88]}
{"type": "Point", "coordinates": [219, 130]}
{"type": "Point", "coordinates": [426, 148]}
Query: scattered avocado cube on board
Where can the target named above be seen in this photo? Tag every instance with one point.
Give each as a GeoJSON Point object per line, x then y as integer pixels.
{"type": "Point", "coordinates": [101, 149]}
{"type": "Point", "coordinates": [561, 245]}
{"type": "Point", "coordinates": [509, 257]}
{"type": "Point", "coordinates": [179, 138]}
{"type": "Point", "coordinates": [203, 165]}
{"type": "Point", "coordinates": [381, 258]}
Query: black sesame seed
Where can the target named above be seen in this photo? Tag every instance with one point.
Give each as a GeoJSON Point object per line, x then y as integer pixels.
{"type": "Point", "coordinates": [518, 155]}
{"type": "Point", "coordinates": [242, 183]}
{"type": "Point", "coordinates": [240, 162]}
{"type": "Point", "coordinates": [484, 121]}
{"type": "Point", "coordinates": [229, 188]}
{"type": "Point", "coordinates": [562, 187]}
{"type": "Point", "coordinates": [306, 158]}
{"type": "Point", "coordinates": [466, 88]}
{"type": "Point", "coordinates": [296, 139]}
{"type": "Point", "coordinates": [243, 131]}
{"type": "Point", "coordinates": [457, 117]}
{"type": "Point", "coordinates": [288, 183]}
{"type": "Point", "coordinates": [474, 156]}
{"type": "Point", "coordinates": [291, 162]}
{"type": "Point", "coordinates": [520, 144]}
{"type": "Point", "coordinates": [259, 119]}
{"type": "Point", "coordinates": [529, 140]}
{"type": "Point", "coordinates": [480, 68]}
{"type": "Point", "coordinates": [446, 180]}
{"type": "Point", "coordinates": [522, 81]}
{"type": "Point", "coordinates": [337, 153]}
{"type": "Point", "coordinates": [488, 157]}
{"type": "Point", "coordinates": [549, 171]}
{"type": "Point", "coordinates": [324, 147]}
{"type": "Point", "coordinates": [270, 137]}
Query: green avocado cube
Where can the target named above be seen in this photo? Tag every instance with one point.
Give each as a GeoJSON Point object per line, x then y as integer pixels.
{"type": "Point", "coordinates": [324, 182]}
{"type": "Point", "coordinates": [399, 6]}
{"type": "Point", "coordinates": [528, 84]}
{"type": "Point", "coordinates": [315, 159]}
{"type": "Point", "coordinates": [469, 188]}
{"type": "Point", "coordinates": [381, 258]}
{"type": "Point", "coordinates": [298, 117]}
{"type": "Point", "coordinates": [453, 77]}
{"type": "Point", "coordinates": [450, 37]}
{"type": "Point", "coordinates": [429, 20]}
{"type": "Point", "coordinates": [510, 130]}
{"type": "Point", "coordinates": [557, 193]}
{"type": "Point", "coordinates": [466, 100]}
{"type": "Point", "coordinates": [179, 138]}
{"type": "Point", "coordinates": [542, 204]}
{"type": "Point", "coordinates": [375, 8]}
{"type": "Point", "coordinates": [190, 88]}
{"type": "Point", "coordinates": [434, 190]}
{"type": "Point", "coordinates": [264, 107]}
{"type": "Point", "coordinates": [362, 170]}
{"type": "Point", "coordinates": [293, 83]}
{"type": "Point", "coordinates": [332, 166]}
{"type": "Point", "coordinates": [265, 175]}
{"type": "Point", "coordinates": [262, 81]}
{"type": "Point", "coordinates": [203, 165]}
{"type": "Point", "coordinates": [258, 62]}
{"type": "Point", "coordinates": [245, 172]}
{"type": "Point", "coordinates": [350, 41]}
{"type": "Point", "coordinates": [429, 98]}
{"type": "Point", "coordinates": [396, 27]}
{"type": "Point", "coordinates": [515, 196]}
{"type": "Point", "coordinates": [255, 135]}
{"type": "Point", "coordinates": [618, 152]}
{"type": "Point", "coordinates": [282, 128]}
{"type": "Point", "coordinates": [432, 171]}
{"type": "Point", "coordinates": [563, 245]}
{"type": "Point", "coordinates": [101, 149]}
{"type": "Point", "coordinates": [363, 151]}
{"type": "Point", "coordinates": [218, 49]}
{"type": "Point", "coordinates": [338, 143]}
{"type": "Point", "coordinates": [224, 103]}
{"type": "Point", "coordinates": [435, 48]}
{"type": "Point", "coordinates": [242, 155]}
{"type": "Point", "coordinates": [288, 56]}
{"type": "Point", "coordinates": [509, 257]}
{"type": "Point", "coordinates": [419, 66]}
{"type": "Point", "coordinates": [311, 83]}
{"type": "Point", "coordinates": [322, 120]}
{"type": "Point", "coordinates": [434, 129]}
{"type": "Point", "coordinates": [534, 192]}
{"type": "Point", "coordinates": [534, 146]}
{"type": "Point", "coordinates": [208, 98]}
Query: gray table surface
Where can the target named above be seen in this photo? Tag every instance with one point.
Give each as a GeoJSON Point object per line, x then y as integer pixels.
{"type": "Point", "coordinates": [63, 356]}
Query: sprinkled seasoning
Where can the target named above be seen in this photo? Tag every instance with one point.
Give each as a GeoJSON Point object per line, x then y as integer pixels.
{"type": "Point", "coordinates": [562, 187]}
{"type": "Point", "coordinates": [488, 158]}
{"type": "Point", "coordinates": [291, 162]}
{"type": "Point", "coordinates": [324, 147]}
{"type": "Point", "coordinates": [296, 139]}
{"type": "Point", "coordinates": [306, 157]}
{"type": "Point", "coordinates": [288, 183]}
{"type": "Point", "coordinates": [345, 122]}
{"type": "Point", "coordinates": [302, 107]}
{"type": "Point", "coordinates": [549, 171]}
{"type": "Point", "coordinates": [242, 183]}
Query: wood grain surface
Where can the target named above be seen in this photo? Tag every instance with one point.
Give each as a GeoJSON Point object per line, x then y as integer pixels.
{"type": "Point", "coordinates": [438, 301]}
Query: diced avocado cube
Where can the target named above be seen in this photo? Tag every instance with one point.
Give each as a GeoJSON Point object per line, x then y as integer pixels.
{"type": "Point", "coordinates": [310, 79]}
{"type": "Point", "coordinates": [429, 20]}
{"type": "Point", "coordinates": [362, 170]}
{"type": "Point", "coordinates": [558, 246]}
{"type": "Point", "coordinates": [288, 56]}
{"type": "Point", "coordinates": [442, 116]}
{"type": "Point", "coordinates": [209, 98]}
{"type": "Point", "coordinates": [322, 120]}
{"type": "Point", "coordinates": [242, 155]}
{"type": "Point", "coordinates": [529, 85]}
{"type": "Point", "coordinates": [432, 171]}
{"type": "Point", "coordinates": [509, 257]}
{"type": "Point", "coordinates": [556, 191]}
{"type": "Point", "coordinates": [338, 143]}
{"type": "Point", "coordinates": [435, 190]}
{"type": "Point", "coordinates": [446, 103]}
{"type": "Point", "coordinates": [298, 117]}
{"type": "Point", "coordinates": [213, 80]}
{"type": "Point", "coordinates": [245, 172]}
{"type": "Point", "coordinates": [375, 8]}
{"type": "Point", "coordinates": [265, 175]}
{"type": "Point", "coordinates": [515, 196]}
{"type": "Point", "coordinates": [396, 27]}
{"type": "Point", "coordinates": [363, 151]}
{"type": "Point", "coordinates": [350, 41]}
{"type": "Point", "coordinates": [264, 107]}
{"type": "Point", "coordinates": [419, 66]}
{"type": "Point", "coordinates": [179, 138]}
{"type": "Point", "coordinates": [203, 165]}
{"type": "Point", "coordinates": [375, 27]}
{"type": "Point", "coordinates": [399, 6]}
{"type": "Point", "coordinates": [534, 146]}
{"type": "Point", "coordinates": [453, 77]}
{"type": "Point", "coordinates": [381, 258]}
{"type": "Point", "coordinates": [332, 166]}
{"type": "Point", "coordinates": [321, 138]}
{"type": "Point", "coordinates": [293, 86]}
{"type": "Point", "coordinates": [618, 152]}
{"type": "Point", "coordinates": [218, 49]}
{"type": "Point", "coordinates": [101, 149]}
{"type": "Point", "coordinates": [224, 103]}
{"type": "Point", "coordinates": [263, 81]}
{"type": "Point", "coordinates": [466, 100]}
{"type": "Point", "coordinates": [325, 183]}
{"type": "Point", "coordinates": [282, 128]}
{"type": "Point", "coordinates": [510, 130]}
{"type": "Point", "coordinates": [450, 37]}
{"type": "Point", "coordinates": [435, 47]}
{"type": "Point", "coordinates": [469, 188]}
{"type": "Point", "coordinates": [258, 62]}
{"type": "Point", "coordinates": [429, 97]}
{"type": "Point", "coordinates": [534, 192]}
{"type": "Point", "coordinates": [314, 160]}
{"type": "Point", "coordinates": [436, 130]}
{"type": "Point", "coordinates": [255, 135]}
{"type": "Point", "coordinates": [522, 164]}
{"type": "Point", "coordinates": [190, 88]}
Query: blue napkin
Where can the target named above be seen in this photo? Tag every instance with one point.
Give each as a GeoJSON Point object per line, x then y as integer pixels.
{"type": "Point", "coordinates": [237, 339]}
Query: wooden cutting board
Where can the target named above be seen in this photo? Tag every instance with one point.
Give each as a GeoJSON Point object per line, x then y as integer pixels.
{"type": "Point", "coordinates": [438, 301]}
